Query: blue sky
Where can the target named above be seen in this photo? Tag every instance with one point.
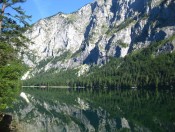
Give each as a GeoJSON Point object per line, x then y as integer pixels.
{"type": "Point", "coordinates": [44, 8]}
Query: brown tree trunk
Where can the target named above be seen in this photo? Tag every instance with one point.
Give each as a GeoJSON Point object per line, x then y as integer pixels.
{"type": "Point", "coordinates": [2, 15]}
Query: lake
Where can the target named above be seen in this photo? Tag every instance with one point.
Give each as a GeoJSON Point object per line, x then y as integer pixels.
{"type": "Point", "coordinates": [84, 110]}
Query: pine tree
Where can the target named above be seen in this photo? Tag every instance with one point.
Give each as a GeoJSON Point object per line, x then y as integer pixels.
{"type": "Point", "coordinates": [12, 27]}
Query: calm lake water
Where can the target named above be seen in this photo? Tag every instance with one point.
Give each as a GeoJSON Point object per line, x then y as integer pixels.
{"type": "Point", "coordinates": [85, 110]}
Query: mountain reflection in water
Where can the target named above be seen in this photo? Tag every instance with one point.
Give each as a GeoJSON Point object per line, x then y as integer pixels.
{"type": "Point", "coordinates": [80, 110]}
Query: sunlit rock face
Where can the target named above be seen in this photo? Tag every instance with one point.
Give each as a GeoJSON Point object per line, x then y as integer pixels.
{"type": "Point", "coordinates": [96, 31]}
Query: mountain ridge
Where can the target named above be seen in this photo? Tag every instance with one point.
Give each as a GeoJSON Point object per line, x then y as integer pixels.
{"type": "Point", "coordinates": [103, 29]}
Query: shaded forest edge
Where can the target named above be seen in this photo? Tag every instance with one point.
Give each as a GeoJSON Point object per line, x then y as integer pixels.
{"type": "Point", "coordinates": [145, 68]}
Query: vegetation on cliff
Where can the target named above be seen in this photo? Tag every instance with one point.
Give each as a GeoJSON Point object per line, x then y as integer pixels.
{"type": "Point", "coordinates": [146, 68]}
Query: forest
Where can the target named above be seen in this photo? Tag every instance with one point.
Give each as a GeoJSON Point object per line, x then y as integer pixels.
{"type": "Point", "coordinates": [144, 69]}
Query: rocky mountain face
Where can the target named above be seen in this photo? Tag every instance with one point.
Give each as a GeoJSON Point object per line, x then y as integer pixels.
{"type": "Point", "coordinates": [97, 31]}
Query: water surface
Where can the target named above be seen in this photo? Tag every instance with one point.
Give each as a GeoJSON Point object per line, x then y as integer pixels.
{"type": "Point", "coordinates": [81, 110]}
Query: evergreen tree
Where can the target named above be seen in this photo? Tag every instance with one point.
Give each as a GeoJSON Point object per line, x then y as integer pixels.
{"type": "Point", "coordinates": [12, 26]}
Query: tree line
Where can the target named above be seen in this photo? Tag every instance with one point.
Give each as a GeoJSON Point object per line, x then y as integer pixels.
{"type": "Point", "coordinates": [143, 68]}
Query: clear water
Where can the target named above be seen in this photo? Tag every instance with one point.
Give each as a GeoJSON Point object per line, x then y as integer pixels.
{"type": "Point", "coordinates": [73, 110]}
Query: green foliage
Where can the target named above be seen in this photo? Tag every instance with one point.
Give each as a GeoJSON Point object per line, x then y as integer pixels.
{"type": "Point", "coordinates": [71, 18]}
{"type": "Point", "coordinates": [117, 28]}
{"type": "Point", "coordinates": [143, 69]}
{"type": "Point", "coordinates": [53, 78]}
{"type": "Point", "coordinates": [11, 70]}
{"type": "Point", "coordinates": [54, 60]}
{"type": "Point", "coordinates": [44, 62]}
{"type": "Point", "coordinates": [30, 56]}
{"type": "Point", "coordinates": [62, 57]}
{"type": "Point", "coordinates": [122, 44]}
{"type": "Point", "coordinates": [12, 27]}
{"type": "Point", "coordinates": [6, 53]}
{"type": "Point", "coordinates": [76, 54]}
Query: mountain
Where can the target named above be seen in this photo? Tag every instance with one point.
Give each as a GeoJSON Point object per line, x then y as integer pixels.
{"type": "Point", "coordinates": [96, 32]}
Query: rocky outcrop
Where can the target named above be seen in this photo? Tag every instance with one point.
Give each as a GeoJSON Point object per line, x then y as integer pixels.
{"type": "Point", "coordinates": [96, 31]}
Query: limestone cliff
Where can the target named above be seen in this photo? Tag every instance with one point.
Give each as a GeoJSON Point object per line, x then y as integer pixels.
{"type": "Point", "coordinates": [97, 31]}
